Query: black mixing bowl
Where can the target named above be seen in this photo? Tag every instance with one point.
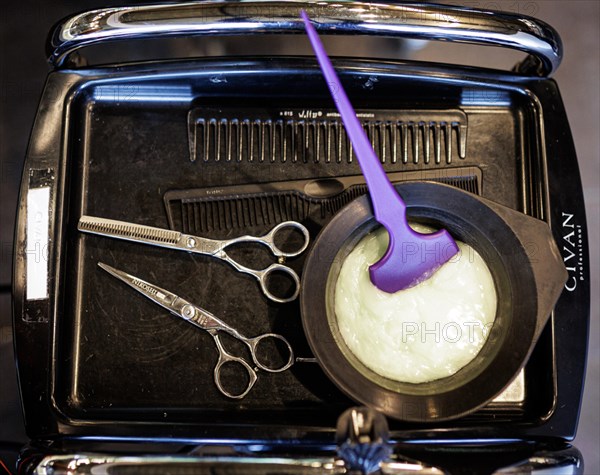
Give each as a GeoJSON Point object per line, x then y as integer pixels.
{"type": "Point", "coordinates": [528, 273]}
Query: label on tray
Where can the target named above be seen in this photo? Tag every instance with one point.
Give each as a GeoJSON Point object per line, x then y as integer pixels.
{"type": "Point", "coordinates": [38, 201]}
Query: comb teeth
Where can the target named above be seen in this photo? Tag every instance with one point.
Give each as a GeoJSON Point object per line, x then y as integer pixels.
{"type": "Point", "coordinates": [333, 205]}
{"type": "Point", "coordinates": [128, 231]}
{"type": "Point", "coordinates": [200, 211]}
{"type": "Point", "coordinates": [469, 184]}
{"type": "Point", "coordinates": [415, 136]}
{"type": "Point", "coordinates": [238, 213]}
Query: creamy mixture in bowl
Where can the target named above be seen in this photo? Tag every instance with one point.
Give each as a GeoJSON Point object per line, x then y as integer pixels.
{"type": "Point", "coordinates": [420, 334]}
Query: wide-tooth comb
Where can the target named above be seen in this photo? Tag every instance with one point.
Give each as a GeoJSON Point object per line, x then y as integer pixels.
{"type": "Point", "coordinates": [403, 136]}
{"type": "Point", "coordinates": [127, 231]}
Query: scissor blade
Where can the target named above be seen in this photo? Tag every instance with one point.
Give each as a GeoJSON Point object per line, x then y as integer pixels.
{"type": "Point", "coordinates": [130, 231]}
{"type": "Point", "coordinates": [157, 294]}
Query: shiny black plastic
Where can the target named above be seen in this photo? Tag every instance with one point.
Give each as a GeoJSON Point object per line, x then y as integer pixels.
{"type": "Point", "coordinates": [111, 141]}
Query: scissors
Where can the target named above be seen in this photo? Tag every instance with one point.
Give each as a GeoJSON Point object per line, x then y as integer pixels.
{"type": "Point", "coordinates": [211, 247]}
{"type": "Point", "coordinates": [207, 321]}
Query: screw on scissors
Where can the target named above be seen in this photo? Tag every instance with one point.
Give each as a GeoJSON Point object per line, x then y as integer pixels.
{"type": "Point", "coordinates": [207, 321]}
{"type": "Point", "coordinates": [211, 247]}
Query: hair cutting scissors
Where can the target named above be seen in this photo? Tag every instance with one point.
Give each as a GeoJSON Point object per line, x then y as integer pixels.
{"type": "Point", "coordinates": [211, 247]}
{"type": "Point", "coordinates": [207, 321]}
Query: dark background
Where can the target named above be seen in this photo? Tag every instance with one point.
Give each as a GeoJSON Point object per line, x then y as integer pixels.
{"type": "Point", "coordinates": [24, 25]}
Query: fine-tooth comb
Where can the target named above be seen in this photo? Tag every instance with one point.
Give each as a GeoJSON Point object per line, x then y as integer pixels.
{"type": "Point", "coordinates": [206, 210]}
{"type": "Point", "coordinates": [403, 136]}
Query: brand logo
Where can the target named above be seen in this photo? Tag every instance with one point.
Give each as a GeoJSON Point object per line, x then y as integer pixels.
{"type": "Point", "coordinates": [145, 286]}
{"type": "Point", "coordinates": [572, 250]}
{"type": "Point", "coordinates": [309, 114]}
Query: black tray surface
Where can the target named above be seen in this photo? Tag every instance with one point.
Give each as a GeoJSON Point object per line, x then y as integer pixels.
{"type": "Point", "coordinates": [122, 353]}
{"type": "Point", "coordinates": [117, 356]}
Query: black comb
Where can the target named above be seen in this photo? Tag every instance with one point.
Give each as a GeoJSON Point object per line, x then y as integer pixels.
{"type": "Point", "coordinates": [403, 136]}
{"type": "Point", "coordinates": [221, 209]}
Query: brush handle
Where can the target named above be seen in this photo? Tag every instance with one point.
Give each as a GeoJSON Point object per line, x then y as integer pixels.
{"type": "Point", "coordinates": [388, 206]}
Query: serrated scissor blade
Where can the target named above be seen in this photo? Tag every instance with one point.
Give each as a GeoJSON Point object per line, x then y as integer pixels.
{"type": "Point", "coordinates": [130, 231]}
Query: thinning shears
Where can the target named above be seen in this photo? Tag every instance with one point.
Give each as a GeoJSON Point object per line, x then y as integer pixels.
{"type": "Point", "coordinates": [207, 321]}
{"type": "Point", "coordinates": [211, 247]}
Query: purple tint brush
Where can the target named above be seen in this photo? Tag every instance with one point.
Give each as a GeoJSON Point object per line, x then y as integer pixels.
{"type": "Point", "coordinates": [411, 257]}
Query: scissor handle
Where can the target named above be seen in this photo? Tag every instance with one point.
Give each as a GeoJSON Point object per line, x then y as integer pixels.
{"type": "Point", "coordinates": [253, 343]}
{"type": "Point", "coordinates": [263, 279]}
{"type": "Point", "coordinates": [269, 239]}
{"type": "Point", "coordinates": [226, 358]}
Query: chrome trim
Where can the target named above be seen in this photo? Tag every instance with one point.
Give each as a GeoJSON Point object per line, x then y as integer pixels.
{"type": "Point", "coordinates": [91, 464]}
{"type": "Point", "coordinates": [565, 461]}
{"type": "Point", "coordinates": [568, 461]}
{"type": "Point", "coordinates": [243, 17]}
{"type": "Point", "coordinates": [88, 464]}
